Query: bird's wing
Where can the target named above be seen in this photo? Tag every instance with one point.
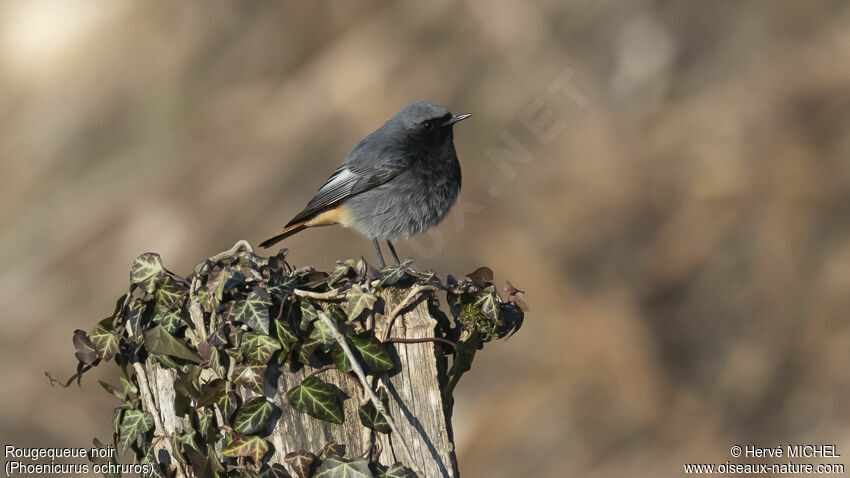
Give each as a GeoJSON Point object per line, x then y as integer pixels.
{"type": "Point", "coordinates": [359, 173]}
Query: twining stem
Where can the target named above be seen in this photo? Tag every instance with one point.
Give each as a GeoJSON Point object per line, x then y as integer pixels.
{"type": "Point", "coordinates": [240, 244]}
{"type": "Point", "coordinates": [400, 340]}
{"type": "Point", "coordinates": [331, 294]}
{"type": "Point", "coordinates": [355, 367]}
{"type": "Point", "coordinates": [407, 302]}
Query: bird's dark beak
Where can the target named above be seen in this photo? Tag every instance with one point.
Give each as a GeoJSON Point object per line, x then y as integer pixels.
{"type": "Point", "coordinates": [454, 119]}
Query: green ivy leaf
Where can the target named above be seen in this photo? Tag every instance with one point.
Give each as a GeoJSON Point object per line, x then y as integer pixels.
{"type": "Point", "coordinates": [306, 349]}
{"type": "Point", "coordinates": [170, 292]}
{"type": "Point", "coordinates": [169, 319]}
{"type": "Point", "coordinates": [250, 446]}
{"type": "Point", "coordinates": [251, 377]}
{"type": "Point", "coordinates": [340, 359]}
{"type": "Point", "coordinates": [146, 271]}
{"type": "Point", "coordinates": [392, 274]}
{"type": "Point", "coordinates": [308, 314]}
{"type": "Point", "coordinates": [358, 301]}
{"type": "Point", "coordinates": [127, 386]}
{"type": "Point", "coordinates": [105, 342]}
{"type": "Point", "coordinates": [397, 470]}
{"type": "Point", "coordinates": [341, 270]}
{"type": "Point", "coordinates": [228, 404]}
{"type": "Point", "coordinates": [301, 462]}
{"type": "Point", "coordinates": [158, 341]}
{"type": "Point", "coordinates": [117, 415]}
{"type": "Point", "coordinates": [276, 470]}
{"type": "Point", "coordinates": [136, 316]}
{"type": "Point", "coordinates": [253, 416]}
{"type": "Point", "coordinates": [317, 399]}
{"type": "Point", "coordinates": [257, 348]}
{"type": "Point", "coordinates": [371, 418]}
{"type": "Point", "coordinates": [133, 424]}
{"type": "Point", "coordinates": [336, 467]}
{"type": "Point", "coordinates": [286, 336]}
{"type": "Point", "coordinates": [183, 442]}
{"type": "Point", "coordinates": [332, 448]}
{"type": "Point", "coordinates": [372, 351]}
{"type": "Point", "coordinates": [212, 392]}
{"type": "Point", "coordinates": [213, 291]}
{"type": "Point", "coordinates": [322, 332]}
{"type": "Point", "coordinates": [253, 311]}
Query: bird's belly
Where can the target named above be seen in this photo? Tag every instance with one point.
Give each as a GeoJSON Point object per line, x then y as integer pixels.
{"type": "Point", "coordinates": [396, 211]}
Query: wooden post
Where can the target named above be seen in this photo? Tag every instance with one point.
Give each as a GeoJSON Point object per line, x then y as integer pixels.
{"type": "Point", "coordinates": [415, 401]}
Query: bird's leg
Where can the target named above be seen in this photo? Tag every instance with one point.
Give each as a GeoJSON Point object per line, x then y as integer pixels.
{"type": "Point", "coordinates": [392, 249]}
{"type": "Point", "coordinates": [380, 256]}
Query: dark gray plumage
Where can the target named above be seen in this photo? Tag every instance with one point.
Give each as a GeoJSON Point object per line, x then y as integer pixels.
{"type": "Point", "coordinates": [399, 181]}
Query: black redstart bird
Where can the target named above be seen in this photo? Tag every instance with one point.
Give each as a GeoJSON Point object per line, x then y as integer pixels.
{"type": "Point", "coordinates": [400, 181]}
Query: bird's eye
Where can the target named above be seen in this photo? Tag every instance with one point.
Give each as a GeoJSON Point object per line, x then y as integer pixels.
{"type": "Point", "coordinates": [428, 125]}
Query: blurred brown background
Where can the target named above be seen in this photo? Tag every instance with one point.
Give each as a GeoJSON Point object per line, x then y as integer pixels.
{"type": "Point", "coordinates": [683, 231]}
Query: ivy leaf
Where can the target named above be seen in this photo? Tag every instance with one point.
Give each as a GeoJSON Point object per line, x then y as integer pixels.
{"type": "Point", "coordinates": [258, 348]}
{"type": "Point", "coordinates": [308, 314]}
{"type": "Point", "coordinates": [397, 470]}
{"type": "Point", "coordinates": [322, 332]}
{"type": "Point", "coordinates": [251, 377]}
{"type": "Point", "coordinates": [250, 446]}
{"type": "Point", "coordinates": [341, 270]}
{"type": "Point", "coordinates": [136, 316]}
{"type": "Point", "coordinates": [358, 301]}
{"type": "Point", "coordinates": [128, 387]}
{"type": "Point", "coordinates": [285, 334]}
{"type": "Point", "coordinates": [234, 281]}
{"type": "Point", "coordinates": [253, 416]}
{"type": "Point", "coordinates": [332, 448]}
{"type": "Point", "coordinates": [133, 424]}
{"type": "Point", "coordinates": [158, 341]}
{"type": "Point", "coordinates": [117, 415]}
{"type": "Point", "coordinates": [373, 352]}
{"type": "Point", "coordinates": [336, 467]}
{"type": "Point", "coordinates": [146, 271]}
{"type": "Point", "coordinates": [371, 418]}
{"type": "Point", "coordinates": [105, 342]}
{"type": "Point", "coordinates": [169, 319]}
{"type": "Point", "coordinates": [183, 442]}
{"type": "Point", "coordinates": [86, 351]}
{"type": "Point", "coordinates": [317, 399]}
{"type": "Point", "coordinates": [213, 291]}
{"type": "Point", "coordinates": [228, 403]}
{"type": "Point", "coordinates": [170, 292]}
{"type": "Point", "coordinates": [306, 349]}
{"type": "Point", "coordinates": [340, 359]}
{"type": "Point", "coordinates": [276, 470]}
{"type": "Point", "coordinates": [302, 462]}
{"type": "Point", "coordinates": [392, 274]}
{"type": "Point", "coordinates": [212, 392]}
{"type": "Point", "coordinates": [253, 311]}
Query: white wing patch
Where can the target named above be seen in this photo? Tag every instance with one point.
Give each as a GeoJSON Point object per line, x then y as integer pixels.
{"type": "Point", "coordinates": [342, 177]}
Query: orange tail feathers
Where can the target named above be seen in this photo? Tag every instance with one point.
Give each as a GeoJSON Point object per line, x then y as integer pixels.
{"type": "Point", "coordinates": [286, 232]}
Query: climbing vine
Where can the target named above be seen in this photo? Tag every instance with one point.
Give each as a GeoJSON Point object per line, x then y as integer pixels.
{"type": "Point", "coordinates": [238, 315]}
